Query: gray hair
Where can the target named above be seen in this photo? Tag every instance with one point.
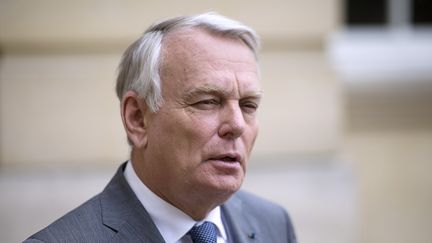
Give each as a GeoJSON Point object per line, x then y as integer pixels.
{"type": "Point", "coordinates": [140, 65]}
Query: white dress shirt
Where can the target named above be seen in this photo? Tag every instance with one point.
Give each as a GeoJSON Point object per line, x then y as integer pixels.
{"type": "Point", "coordinates": [172, 223]}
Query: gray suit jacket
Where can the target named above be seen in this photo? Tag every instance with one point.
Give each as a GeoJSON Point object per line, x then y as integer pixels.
{"type": "Point", "coordinates": [116, 215]}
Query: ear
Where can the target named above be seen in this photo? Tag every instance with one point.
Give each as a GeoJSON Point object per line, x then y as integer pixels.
{"type": "Point", "coordinates": [133, 111]}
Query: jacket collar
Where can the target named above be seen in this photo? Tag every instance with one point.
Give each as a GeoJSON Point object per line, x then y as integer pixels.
{"type": "Point", "coordinates": [241, 225]}
{"type": "Point", "coordinates": [123, 213]}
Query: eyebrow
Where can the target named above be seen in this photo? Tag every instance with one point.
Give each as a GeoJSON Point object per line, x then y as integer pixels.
{"type": "Point", "coordinates": [207, 90]}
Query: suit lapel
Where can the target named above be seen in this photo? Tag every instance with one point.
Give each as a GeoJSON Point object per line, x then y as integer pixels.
{"type": "Point", "coordinates": [242, 228]}
{"type": "Point", "coordinates": [123, 213]}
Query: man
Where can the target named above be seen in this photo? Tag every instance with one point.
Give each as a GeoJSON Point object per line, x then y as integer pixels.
{"type": "Point", "coordinates": [189, 91]}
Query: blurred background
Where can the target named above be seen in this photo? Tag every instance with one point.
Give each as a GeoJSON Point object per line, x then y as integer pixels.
{"type": "Point", "coordinates": [346, 122]}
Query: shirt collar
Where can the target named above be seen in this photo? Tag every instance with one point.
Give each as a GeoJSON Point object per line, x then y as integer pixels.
{"type": "Point", "coordinates": [171, 222]}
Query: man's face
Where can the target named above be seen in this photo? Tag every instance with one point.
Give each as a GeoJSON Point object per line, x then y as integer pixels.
{"type": "Point", "coordinates": [200, 140]}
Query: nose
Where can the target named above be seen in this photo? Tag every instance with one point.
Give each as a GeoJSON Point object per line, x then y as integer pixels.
{"type": "Point", "coordinates": [232, 121]}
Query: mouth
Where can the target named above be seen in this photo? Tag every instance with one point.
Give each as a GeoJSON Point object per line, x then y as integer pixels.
{"type": "Point", "coordinates": [228, 157]}
{"type": "Point", "coordinates": [226, 163]}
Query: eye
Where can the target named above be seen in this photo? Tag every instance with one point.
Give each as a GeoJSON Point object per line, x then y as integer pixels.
{"type": "Point", "coordinates": [249, 106]}
{"type": "Point", "coordinates": [206, 104]}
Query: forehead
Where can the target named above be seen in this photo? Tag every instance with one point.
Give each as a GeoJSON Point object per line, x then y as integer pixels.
{"type": "Point", "coordinates": [192, 56]}
{"type": "Point", "coordinates": [196, 36]}
{"type": "Point", "coordinates": [191, 42]}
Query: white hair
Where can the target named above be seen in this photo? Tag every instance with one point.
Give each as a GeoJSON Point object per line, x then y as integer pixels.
{"type": "Point", "coordinates": [140, 64]}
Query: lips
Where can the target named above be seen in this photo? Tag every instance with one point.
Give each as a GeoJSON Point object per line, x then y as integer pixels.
{"type": "Point", "coordinates": [227, 157]}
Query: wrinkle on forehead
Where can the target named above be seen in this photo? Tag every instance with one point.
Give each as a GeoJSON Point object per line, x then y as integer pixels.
{"type": "Point", "coordinates": [184, 43]}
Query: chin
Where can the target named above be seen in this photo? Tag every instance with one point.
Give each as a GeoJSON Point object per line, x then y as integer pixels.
{"type": "Point", "coordinates": [226, 185]}
{"type": "Point", "coordinates": [216, 191]}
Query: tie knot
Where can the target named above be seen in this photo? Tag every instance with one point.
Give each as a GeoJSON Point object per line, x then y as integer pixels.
{"type": "Point", "coordinates": [205, 233]}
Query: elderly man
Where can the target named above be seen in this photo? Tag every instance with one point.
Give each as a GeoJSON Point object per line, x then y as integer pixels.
{"type": "Point", "coordinates": [189, 91]}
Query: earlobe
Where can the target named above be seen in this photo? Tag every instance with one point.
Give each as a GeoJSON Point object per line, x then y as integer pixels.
{"type": "Point", "coordinates": [133, 111]}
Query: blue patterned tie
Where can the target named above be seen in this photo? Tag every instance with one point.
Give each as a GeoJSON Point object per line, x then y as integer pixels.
{"type": "Point", "coordinates": [205, 233]}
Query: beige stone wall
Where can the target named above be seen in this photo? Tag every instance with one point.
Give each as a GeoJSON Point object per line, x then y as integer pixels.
{"type": "Point", "coordinates": [302, 106]}
{"type": "Point", "coordinates": [60, 109]}
{"type": "Point", "coordinates": [395, 189]}
{"type": "Point", "coordinates": [389, 139]}
{"type": "Point", "coordinates": [94, 22]}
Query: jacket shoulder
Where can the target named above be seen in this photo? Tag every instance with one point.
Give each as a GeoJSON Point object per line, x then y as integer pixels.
{"type": "Point", "coordinates": [270, 218]}
{"type": "Point", "coordinates": [258, 205]}
{"type": "Point", "coordinates": [83, 224]}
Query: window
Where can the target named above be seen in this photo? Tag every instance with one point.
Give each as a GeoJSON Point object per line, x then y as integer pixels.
{"type": "Point", "coordinates": [422, 12]}
{"type": "Point", "coordinates": [393, 13]}
{"type": "Point", "coordinates": [366, 12]}
{"type": "Point", "coordinates": [384, 41]}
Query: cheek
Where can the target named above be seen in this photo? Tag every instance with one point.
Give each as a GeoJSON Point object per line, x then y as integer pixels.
{"type": "Point", "coordinates": [200, 132]}
{"type": "Point", "coordinates": [188, 134]}
{"type": "Point", "coordinates": [203, 126]}
{"type": "Point", "coordinates": [251, 136]}
{"type": "Point", "coordinates": [256, 129]}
